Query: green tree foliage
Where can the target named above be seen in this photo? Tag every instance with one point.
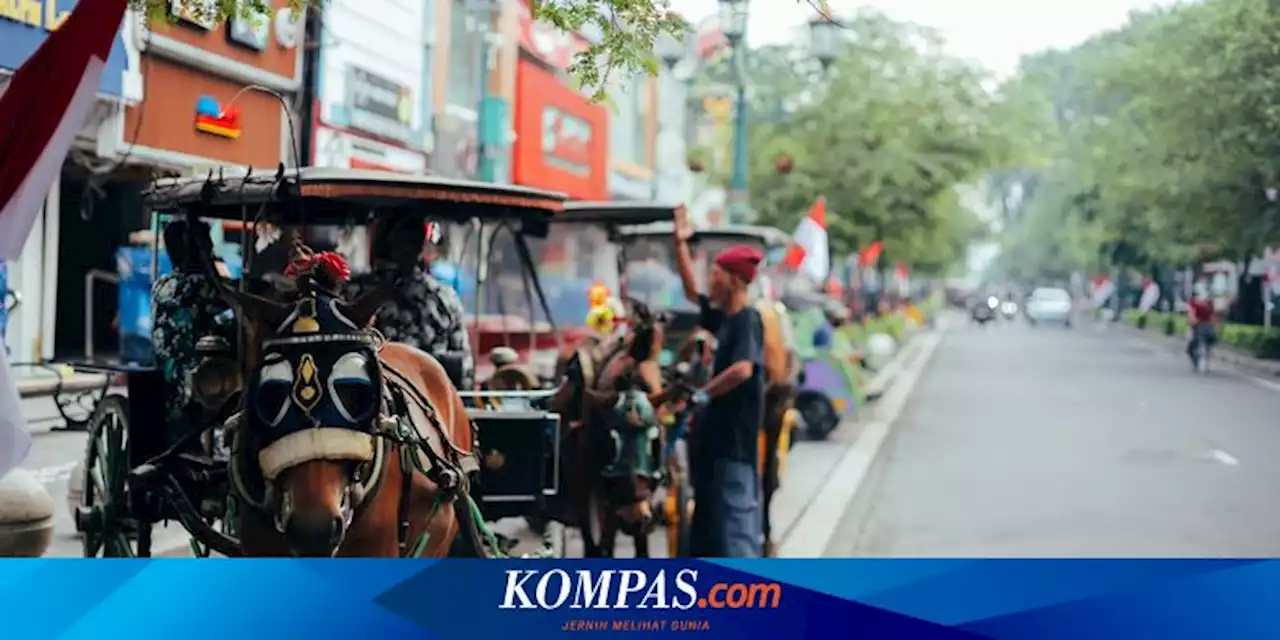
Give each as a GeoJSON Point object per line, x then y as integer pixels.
{"type": "Point", "coordinates": [1158, 142]}
{"type": "Point", "coordinates": [629, 29]}
{"type": "Point", "coordinates": [888, 134]}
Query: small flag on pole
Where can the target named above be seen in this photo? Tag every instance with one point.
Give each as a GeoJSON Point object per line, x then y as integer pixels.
{"type": "Point", "coordinates": [809, 253]}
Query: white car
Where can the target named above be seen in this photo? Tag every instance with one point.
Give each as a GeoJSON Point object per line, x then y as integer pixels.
{"type": "Point", "coordinates": [1051, 306]}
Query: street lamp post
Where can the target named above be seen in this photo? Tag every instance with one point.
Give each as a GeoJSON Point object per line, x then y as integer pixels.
{"type": "Point", "coordinates": [670, 51]}
{"type": "Point", "coordinates": [733, 21]}
{"type": "Point", "coordinates": [1268, 218]}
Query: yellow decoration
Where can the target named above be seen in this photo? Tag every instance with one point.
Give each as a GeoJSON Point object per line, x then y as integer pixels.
{"type": "Point", "coordinates": [306, 322]}
{"type": "Point", "coordinates": [601, 319]}
{"type": "Point", "coordinates": [306, 392]}
{"type": "Point", "coordinates": [598, 295]}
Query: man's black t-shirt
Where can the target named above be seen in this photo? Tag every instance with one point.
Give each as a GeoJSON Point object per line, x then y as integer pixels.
{"type": "Point", "coordinates": [731, 424]}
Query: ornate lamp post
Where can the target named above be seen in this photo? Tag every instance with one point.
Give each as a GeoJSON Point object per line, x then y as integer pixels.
{"type": "Point", "coordinates": [733, 22]}
{"type": "Point", "coordinates": [824, 39]}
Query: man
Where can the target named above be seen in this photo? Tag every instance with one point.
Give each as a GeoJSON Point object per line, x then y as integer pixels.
{"type": "Point", "coordinates": [1201, 318]}
{"type": "Point", "coordinates": [727, 522]}
{"type": "Point", "coordinates": [424, 313]}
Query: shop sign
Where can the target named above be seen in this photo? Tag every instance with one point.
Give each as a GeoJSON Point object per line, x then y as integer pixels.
{"type": "Point", "coordinates": [380, 107]}
{"type": "Point", "coordinates": [213, 120]}
{"type": "Point", "coordinates": [566, 141]}
{"type": "Point", "coordinates": [24, 25]}
{"type": "Point", "coordinates": [252, 31]}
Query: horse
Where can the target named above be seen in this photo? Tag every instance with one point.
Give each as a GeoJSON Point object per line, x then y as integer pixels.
{"type": "Point", "coordinates": [346, 445]}
{"type": "Point", "coordinates": [614, 440]}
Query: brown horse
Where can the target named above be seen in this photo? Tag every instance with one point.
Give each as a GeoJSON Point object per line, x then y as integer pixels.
{"type": "Point", "coordinates": [612, 464]}
{"type": "Point", "coordinates": [346, 445]}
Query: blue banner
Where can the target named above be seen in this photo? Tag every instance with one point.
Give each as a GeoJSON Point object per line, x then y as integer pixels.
{"type": "Point", "coordinates": [828, 599]}
{"type": "Point", "coordinates": [24, 25]}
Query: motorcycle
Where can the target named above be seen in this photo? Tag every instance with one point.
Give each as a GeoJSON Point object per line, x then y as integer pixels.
{"type": "Point", "coordinates": [1199, 350]}
{"type": "Point", "coordinates": [985, 311]}
{"type": "Point", "coordinates": [1009, 309]}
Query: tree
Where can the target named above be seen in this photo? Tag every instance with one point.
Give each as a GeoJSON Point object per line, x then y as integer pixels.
{"type": "Point", "coordinates": [1165, 133]}
{"type": "Point", "coordinates": [888, 133]}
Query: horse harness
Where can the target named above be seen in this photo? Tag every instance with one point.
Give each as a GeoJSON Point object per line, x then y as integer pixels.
{"type": "Point", "coordinates": [449, 469]}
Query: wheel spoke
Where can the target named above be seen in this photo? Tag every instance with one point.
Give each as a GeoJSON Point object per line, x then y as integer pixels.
{"type": "Point", "coordinates": [98, 484]}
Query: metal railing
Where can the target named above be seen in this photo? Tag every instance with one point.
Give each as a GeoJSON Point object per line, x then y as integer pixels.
{"type": "Point", "coordinates": [90, 278]}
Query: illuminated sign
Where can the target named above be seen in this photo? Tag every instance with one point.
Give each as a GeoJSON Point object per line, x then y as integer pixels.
{"type": "Point", "coordinates": [24, 25]}
{"type": "Point", "coordinates": [253, 31]}
{"type": "Point", "coordinates": [211, 119]}
{"type": "Point", "coordinates": [566, 141]}
{"type": "Point", "coordinates": [41, 15]}
{"type": "Point", "coordinates": [380, 106]}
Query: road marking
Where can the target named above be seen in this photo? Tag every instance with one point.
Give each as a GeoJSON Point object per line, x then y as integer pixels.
{"type": "Point", "coordinates": [55, 473]}
{"type": "Point", "coordinates": [1225, 458]}
{"type": "Point", "coordinates": [810, 536]}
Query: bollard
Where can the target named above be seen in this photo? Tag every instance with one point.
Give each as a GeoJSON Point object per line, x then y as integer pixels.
{"type": "Point", "coordinates": [26, 516]}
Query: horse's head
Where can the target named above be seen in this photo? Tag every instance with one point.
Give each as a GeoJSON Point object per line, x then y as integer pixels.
{"type": "Point", "coordinates": [313, 402]}
{"type": "Point", "coordinates": [627, 444]}
{"type": "Point", "coordinates": [647, 331]}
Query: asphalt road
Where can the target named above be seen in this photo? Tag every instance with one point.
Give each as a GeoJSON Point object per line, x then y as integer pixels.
{"type": "Point", "coordinates": [1021, 441]}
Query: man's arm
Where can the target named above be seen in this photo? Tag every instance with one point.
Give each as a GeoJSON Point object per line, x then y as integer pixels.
{"type": "Point", "coordinates": [747, 352]}
{"type": "Point", "coordinates": [684, 259]}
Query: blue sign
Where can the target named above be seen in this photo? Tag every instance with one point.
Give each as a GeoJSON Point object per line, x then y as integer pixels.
{"type": "Point", "coordinates": [24, 26]}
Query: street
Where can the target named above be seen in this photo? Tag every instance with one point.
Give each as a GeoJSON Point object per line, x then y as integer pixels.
{"type": "Point", "coordinates": [1019, 441]}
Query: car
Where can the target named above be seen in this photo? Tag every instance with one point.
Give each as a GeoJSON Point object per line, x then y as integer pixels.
{"type": "Point", "coordinates": [1050, 305]}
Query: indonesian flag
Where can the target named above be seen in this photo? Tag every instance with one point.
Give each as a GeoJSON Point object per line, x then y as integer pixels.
{"type": "Point", "coordinates": [1150, 296]}
{"type": "Point", "coordinates": [45, 104]}
{"type": "Point", "coordinates": [808, 254]}
{"type": "Point", "coordinates": [871, 254]}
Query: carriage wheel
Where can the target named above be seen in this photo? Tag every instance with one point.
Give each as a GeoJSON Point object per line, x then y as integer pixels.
{"type": "Point", "coordinates": [103, 517]}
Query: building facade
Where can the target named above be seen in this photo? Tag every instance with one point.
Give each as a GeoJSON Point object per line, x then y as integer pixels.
{"type": "Point", "coordinates": [632, 128]}
{"type": "Point", "coordinates": [373, 87]}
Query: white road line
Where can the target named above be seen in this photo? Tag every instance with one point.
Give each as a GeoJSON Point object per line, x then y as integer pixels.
{"type": "Point", "coordinates": [810, 536]}
{"type": "Point", "coordinates": [1225, 458]}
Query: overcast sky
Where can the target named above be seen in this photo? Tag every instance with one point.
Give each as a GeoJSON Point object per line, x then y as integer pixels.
{"type": "Point", "coordinates": [993, 32]}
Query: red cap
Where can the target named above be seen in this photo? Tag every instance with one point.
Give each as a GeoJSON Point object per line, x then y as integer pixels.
{"type": "Point", "coordinates": [741, 261]}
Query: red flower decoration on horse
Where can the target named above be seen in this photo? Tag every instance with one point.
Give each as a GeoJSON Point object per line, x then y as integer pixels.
{"type": "Point", "coordinates": [333, 266]}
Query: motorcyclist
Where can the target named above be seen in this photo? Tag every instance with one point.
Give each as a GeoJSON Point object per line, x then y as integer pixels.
{"type": "Point", "coordinates": [1202, 319]}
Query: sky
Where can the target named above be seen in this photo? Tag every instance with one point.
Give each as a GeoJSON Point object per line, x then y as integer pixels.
{"type": "Point", "coordinates": [994, 33]}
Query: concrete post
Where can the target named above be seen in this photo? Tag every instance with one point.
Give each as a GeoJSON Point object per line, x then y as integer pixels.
{"type": "Point", "coordinates": [26, 516]}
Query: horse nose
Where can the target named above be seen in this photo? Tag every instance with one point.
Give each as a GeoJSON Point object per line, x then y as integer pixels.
{"type": "Point", "coordinates": [314, 536]}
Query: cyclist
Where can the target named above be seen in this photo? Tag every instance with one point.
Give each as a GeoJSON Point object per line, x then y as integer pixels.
{"type": "Point", "coordinates": [1201, 317]}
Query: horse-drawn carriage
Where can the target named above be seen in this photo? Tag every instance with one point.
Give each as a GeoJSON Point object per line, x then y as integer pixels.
{"type": "Point", "coordinates": [298, 430]}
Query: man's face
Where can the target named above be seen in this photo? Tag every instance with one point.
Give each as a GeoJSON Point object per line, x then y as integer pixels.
{"type": "Point", "coordinates": [721, 285]}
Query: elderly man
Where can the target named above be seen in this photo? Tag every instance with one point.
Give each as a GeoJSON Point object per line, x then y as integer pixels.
{"type": "Point", "coordinates": [424, 313]}
{"type": "Point", "coordinates": [727, 522]}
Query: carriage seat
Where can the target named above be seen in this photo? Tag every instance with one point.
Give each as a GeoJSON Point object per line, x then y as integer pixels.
{"type": "Point", "coordinates": [503, 356]}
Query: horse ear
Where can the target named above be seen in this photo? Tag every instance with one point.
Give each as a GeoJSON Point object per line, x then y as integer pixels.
{"type": "Point", "coordinates": [362, 310]}
{"type": "Point", "coordinates": [255, 310]}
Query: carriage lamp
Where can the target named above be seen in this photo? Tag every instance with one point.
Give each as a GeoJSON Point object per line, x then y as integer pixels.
{"type": "Point", "coordinates": [217, 378]}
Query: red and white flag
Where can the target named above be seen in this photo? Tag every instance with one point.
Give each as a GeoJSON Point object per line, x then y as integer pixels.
{"type": "Point", "coordinates": [809, 253]}
{"type": "Point", "coordinates": [43, 107]}
{"type": "Point", "coordinates": [45, 104]}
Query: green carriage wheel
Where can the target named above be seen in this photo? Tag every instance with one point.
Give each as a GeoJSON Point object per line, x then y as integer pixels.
{"type": "Point", "coordinates": [103, 518]}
